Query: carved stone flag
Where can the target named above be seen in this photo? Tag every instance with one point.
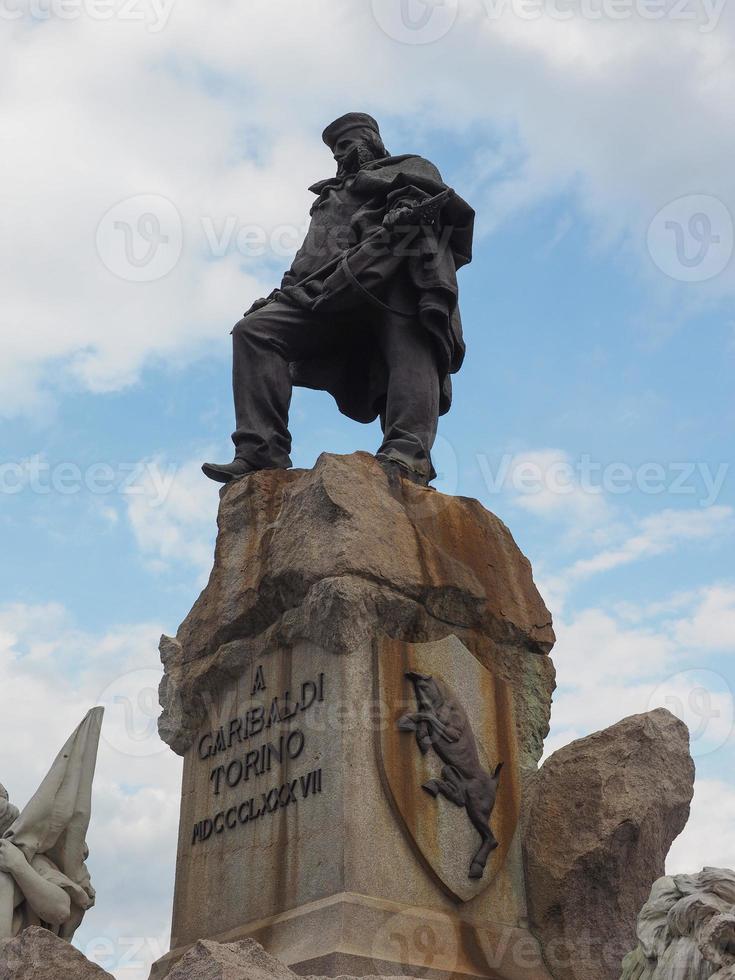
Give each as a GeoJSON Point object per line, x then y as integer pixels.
{"type": "Point", "coordinates": [448, 759]}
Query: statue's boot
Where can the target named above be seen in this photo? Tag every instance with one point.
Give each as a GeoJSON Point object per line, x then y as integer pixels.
{"type": "Point", "coordinates": [227, 472]}
{"type": "Point", "coordinates": [395, 470]}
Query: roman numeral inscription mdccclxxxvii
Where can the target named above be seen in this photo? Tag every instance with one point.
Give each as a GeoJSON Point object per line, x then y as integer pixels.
{"type": "Point", "coordinates": [265, 745]}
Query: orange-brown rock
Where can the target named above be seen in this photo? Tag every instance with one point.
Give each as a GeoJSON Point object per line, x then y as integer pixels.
{"type": "Point", "coordinates": [339, 554]}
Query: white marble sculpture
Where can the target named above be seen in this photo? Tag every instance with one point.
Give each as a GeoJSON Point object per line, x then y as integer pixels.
{"type": "Point", "coordinates": [43, 877]}
{"type": "Point", "coordinates": [686, 929]}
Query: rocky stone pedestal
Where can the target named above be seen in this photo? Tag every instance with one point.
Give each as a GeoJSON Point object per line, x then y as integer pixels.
{"type": "Point", "coordinates": [304, 823]}
{"type": "Point", "coordinates": [365, 656]}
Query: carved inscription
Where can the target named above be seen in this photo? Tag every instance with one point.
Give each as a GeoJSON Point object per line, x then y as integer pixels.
{"type": "Point", "coordinates": [265, 737]}
{"type": "Point", "coordinates": [253, 809]}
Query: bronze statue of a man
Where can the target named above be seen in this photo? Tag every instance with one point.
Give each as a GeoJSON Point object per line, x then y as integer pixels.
{"type": "Point", "coordinates": [368, 310]}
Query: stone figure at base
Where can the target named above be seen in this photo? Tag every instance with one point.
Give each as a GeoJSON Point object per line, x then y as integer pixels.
{"type": "Point", "coordinates": [43, 877]}
{"type": "Point", "coordinates": [368, 310]}
{"type": "Point", "coordinates": [686, 929]}
{"type": "Point", "coordinates": [442, 724]}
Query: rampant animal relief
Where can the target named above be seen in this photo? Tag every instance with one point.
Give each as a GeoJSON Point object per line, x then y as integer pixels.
{"type": "Point", "coordinates": [462, 718]}
{"type": "Point", "coordinates": [441, 723]}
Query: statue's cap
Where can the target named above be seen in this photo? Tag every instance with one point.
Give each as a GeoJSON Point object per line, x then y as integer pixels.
{"type": "Point", "coordinates": [351, 120]}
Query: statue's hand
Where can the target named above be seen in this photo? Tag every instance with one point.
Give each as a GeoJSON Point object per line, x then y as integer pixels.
{"type": "Point", "coordinates": [11, 857]}
{"type": "Point", "coordinates": [258, 305]}
{"type": "Point", "coordinates": [398, 216]}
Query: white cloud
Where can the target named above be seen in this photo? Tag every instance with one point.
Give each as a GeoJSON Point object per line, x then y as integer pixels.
{"type": "Point", "coordinates": [634, 612]}
{"type": "Point", "coordinates": [712, 625]}
{"type": "Point", "coordinates": [605, 672]}
{"type": "Point", "coordinates": [629, 542]}
{"type": "Point", "coordinates": [546, 484]}
{"type": "Point", "coordinates": [584, 499]}
{"type": "Point", "coordinates": [220, 116]}
{"type": "Point", "coordinates": [608, 668]}
{"type": "Point", "coordinates": [707, 840]}
{"type": "Point", "coordinates": [172, 513]}
{"type": "Point", "coordinates": [656, 535]}
{"type": "Point", "coordinates": [52, 673]}
{"type": "Point", "coordinates": [598, 650]}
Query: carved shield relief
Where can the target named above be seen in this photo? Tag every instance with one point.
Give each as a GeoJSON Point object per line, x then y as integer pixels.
{"type": "Point", "coordinates": [447, 725]}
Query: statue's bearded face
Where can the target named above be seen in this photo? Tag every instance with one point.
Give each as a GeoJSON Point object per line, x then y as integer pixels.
{"type": "Point", "coordinates": [356, 148]}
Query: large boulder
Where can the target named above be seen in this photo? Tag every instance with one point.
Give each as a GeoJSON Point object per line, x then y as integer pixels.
{"type": "Point", "coordinates": [601, 814]}
{"type": "Point", "coordinates": [37, 954]}
{"type": "Point", "coordinates": [338, 555]}
{"type": "Point", "coordinates": [686, 929]}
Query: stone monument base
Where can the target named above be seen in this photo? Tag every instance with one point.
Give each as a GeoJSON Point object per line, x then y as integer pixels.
{"type": "Point", "coordinates": [359, 934]}
{"type": "Point", "coordinates": [365, 656]}
{"type": "Point", "coordinates": [306, 822]}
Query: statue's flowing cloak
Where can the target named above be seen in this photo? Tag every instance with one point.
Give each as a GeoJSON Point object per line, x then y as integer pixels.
{"type": "Point", "coordinates": [52, 829]}
{"type": "Point", "coordinates": [418, 273]}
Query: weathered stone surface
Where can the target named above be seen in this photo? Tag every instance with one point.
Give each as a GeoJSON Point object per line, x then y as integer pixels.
{"type": "Point", "coordinates": [244, 960]}
{"type": "Point", "coordinates": [686, 929]}
{"type": "Point", "coordinates": [288, 835]}
{"type": "Point", "coordinates": [306, 852]}
{"type": "Point", "coordinates": [36, 954]}
{"type": "Point", "coordinates": [334, 555]}
{"type": "Point", "coordinates": [601, 815]}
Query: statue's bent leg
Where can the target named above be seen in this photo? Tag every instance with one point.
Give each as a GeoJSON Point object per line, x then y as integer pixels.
{"type": "Point", "coordinates": [412, 404]}
{"type": "Point", "coordinates": [7, 904]}
{"type": "Point", "coordinates": [263, 343]}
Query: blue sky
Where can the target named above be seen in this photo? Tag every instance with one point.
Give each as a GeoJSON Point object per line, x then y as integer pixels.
{"type": "Point", "coordinates": [589, 350]}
